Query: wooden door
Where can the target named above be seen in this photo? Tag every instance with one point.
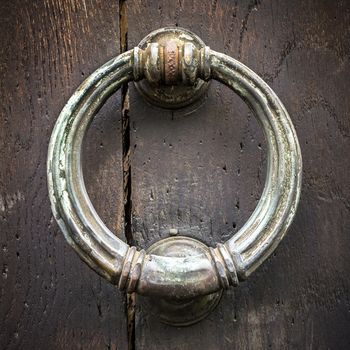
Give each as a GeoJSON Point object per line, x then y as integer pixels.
{"type": "Point", "coordinates": [148, 170]}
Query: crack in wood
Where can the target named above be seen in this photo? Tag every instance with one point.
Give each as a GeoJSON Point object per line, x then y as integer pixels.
{"type": "Point", "coordinates": [253, 6]}
{"type": "Point", "coordinates": [130, 298]}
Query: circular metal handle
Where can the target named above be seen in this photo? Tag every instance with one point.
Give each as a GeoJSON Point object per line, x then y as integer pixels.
{"type": "Point", "coordinates": [205, 270]}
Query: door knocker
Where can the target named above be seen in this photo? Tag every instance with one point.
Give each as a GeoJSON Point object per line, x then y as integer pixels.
{"type": "Point", "coordinates": [172, 68]}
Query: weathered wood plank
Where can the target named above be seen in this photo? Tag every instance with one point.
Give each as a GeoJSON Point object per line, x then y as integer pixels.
{"type": "Point", "coordinates": [203, 173]}
{"type": "Point", "coordinates": [48, 298]}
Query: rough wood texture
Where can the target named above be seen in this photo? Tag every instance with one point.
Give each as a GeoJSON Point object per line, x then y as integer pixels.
{"type": "Point", "coordinates": [49, 299]}
{"type": "Point", "coordinates": [203, 173]}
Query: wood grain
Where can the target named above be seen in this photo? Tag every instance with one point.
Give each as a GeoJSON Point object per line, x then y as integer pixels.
{"type": "Point", "coordinates": [49, 299]}
{"type": "Point", "coordinates": [203, 173]}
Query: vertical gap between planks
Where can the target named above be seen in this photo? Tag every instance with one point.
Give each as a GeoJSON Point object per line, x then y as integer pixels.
{"type": "Point", "coordinates": [130, 298]}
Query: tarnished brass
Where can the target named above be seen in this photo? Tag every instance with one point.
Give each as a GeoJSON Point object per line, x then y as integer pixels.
{"type": "Point", "coordinates": [172, 67]}
{"type": "Point", "coordinates": [171, 309]}
{"type": "Point", "coordinates": [170, 61]}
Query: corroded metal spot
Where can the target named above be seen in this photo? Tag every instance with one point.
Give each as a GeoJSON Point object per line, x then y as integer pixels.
{"type": "Point", "coordinates": [171, 63]}
{"type": "Point", "coordinates": [170, 60]}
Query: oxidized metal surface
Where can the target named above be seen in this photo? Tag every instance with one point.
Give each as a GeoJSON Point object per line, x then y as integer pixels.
{"type": "Point", "coordinates": [171, 63]}
{"type": "Point", "coordinates": [203, 271]}
{"type": "Point", "coordinates": [167, 84]}
{"type": "Point", "coordinates": [172, 309]}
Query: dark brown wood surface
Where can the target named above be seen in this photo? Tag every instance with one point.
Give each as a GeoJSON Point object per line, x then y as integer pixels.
{"type": "Point", "coordinates": [49, 299]}
{"type": "Point", "coordinates": [204, 172]}
{"type": "Point", "coordinates": [149, 170]}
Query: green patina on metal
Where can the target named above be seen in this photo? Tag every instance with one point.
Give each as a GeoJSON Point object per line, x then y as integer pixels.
{"type": "Point", "coordinates": [179, 62]}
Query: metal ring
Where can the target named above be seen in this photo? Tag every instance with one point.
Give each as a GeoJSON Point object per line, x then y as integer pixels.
{"type": "Point", "coordinates": [178, 277]}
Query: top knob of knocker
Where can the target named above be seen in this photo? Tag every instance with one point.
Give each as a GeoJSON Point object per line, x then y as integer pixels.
{"type": "Point", "coordinates": [174, 65]}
